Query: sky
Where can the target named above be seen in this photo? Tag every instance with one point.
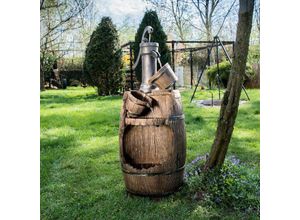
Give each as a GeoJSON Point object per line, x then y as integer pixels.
{"type": "Point", "coordinates": [119, 10]}
{"type": "Point", "coordinates": [127, 15]}
{"type": "Point", "coordinates": [132, 11]}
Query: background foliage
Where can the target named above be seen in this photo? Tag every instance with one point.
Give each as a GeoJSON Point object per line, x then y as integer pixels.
{"type": "Point", "coordinates": [158, 35]}
{"type": "Point", "coordinates": [102, 62]}
{"type": "Point", "coordinates": [224, 72]}
{"type": "Point", "coordinates": [47, 64]}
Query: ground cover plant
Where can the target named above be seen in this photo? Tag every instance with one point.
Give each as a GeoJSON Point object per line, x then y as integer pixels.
{"type": "Point", "coordinates": [80, 169]}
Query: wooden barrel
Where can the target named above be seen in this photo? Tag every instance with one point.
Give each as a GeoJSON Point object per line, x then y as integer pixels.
{"type": "Point", "coordinates": [153, 146]}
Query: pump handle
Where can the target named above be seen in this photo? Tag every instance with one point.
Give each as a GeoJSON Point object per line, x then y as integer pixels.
{"type": "Point", "coordinates": [148, 30]}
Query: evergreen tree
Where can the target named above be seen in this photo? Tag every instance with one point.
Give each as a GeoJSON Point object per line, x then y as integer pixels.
{"type": "Point", "coordinates": [103, 59]}
{"type": "Point", "coordinates": [151, 19]}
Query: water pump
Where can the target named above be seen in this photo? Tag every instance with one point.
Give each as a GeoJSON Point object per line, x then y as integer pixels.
{"type": "Point", "coordinates": [150, 55]}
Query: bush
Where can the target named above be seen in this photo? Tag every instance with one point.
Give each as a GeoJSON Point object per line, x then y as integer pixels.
{"type": "Point", "coordinates": [71, 63]}
{"type": "Point", "coordinates": [72, 75]}
{"type": "Point", "coordinates": [47, 61]}
{"type": "Point", "coordinates": [253, 54]}
{"type": "Point", "coordinates": [151, 19]}
{"type": "Point", "coordinates": [235, 186]}
{"type": "Point", "coordinates": [75, 83]}
{"type": "Point", "coordinates": [254, 81]}
{"type": "Point", "coordinates": [102, 62]}
{"type": "Point", "coordinates": [224, 71]}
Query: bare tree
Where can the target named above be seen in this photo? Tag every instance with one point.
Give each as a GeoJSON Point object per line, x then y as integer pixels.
{"type": "Point", "coordinates": [127, 30]}
{"type": "Point", "coordinates": [230, 102]}
{"type": "Point", "coordinates": [60, 16]}
{"type": "Point", "coordinates": [206, 11]}
{"type": "Point", "coordinates": [57, 17]}
{"type": "Point", "coordinates": [206, 16]}
{"type": "Point", "coordinates": [224, 19]}
{"type": "Point", "coordinates": [178, 11]}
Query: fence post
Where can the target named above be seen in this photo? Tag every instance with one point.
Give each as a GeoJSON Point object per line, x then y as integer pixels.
{"type": "Point", "coordinates": [173, 60]}
{"type": "Point", "coordinates": [208, 52]}
{"type": "Point", "coordinates": [232, 50]}
{"type": "Point", "coordinates": [191, 66]}
{"type": "Point", "coordinates": [131, 70]}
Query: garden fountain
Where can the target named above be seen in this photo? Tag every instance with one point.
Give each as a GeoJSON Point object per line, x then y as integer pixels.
{"type": "Point", "coordinates": [152, 131]}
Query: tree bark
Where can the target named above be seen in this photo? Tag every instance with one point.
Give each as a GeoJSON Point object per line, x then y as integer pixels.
{"type": "Point", "coordinates": [230, 102]}
{"type": "Point", "coordinates": [209, 36]}
{"type": "Point", "coordinates": [42, 79]}
{"type": "Point", "coordinates": [99, 91]}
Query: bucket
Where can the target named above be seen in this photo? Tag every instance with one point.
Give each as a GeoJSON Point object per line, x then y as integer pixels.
{"type": "Point", "coordinates": [164, 77]}
{"type": "Point", "coordinates": [136, 103]}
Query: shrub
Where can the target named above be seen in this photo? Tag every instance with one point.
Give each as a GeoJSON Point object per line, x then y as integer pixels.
{"type": "Point", "coordinates": [235, 186]}
{"type": "Point", "coordinates": [72, 75]}
{"type": "Point", "coordinates": [253, 54]}
{"type": "Point", "coordinates": [47, 61]}
{"type": "Point", "coordinates": [75, 83]}
{"type": "Point", "coordinates": [71, 63]}
{"type": "Point", "coordinates": [102, 62]}
{"type": "Point", "coordinates": [254, 81]}
{"type": "Point", "coordinates": [151, 19]}
{"type": "Point", "coordinates": [224, 72]}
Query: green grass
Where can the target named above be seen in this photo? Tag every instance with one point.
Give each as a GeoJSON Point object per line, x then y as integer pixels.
{"type": "Point", "coordinates": [80, 169]}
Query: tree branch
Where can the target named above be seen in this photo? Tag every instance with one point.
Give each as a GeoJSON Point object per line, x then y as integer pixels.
{"type": "Point", "coordinates": [225, 17]}
{"type": "Point", "coordinates": [197, 5]}
{"type": "Point", "coordinates": [41, 4]}
{"type": "Point", "coordinates": [67, 19]}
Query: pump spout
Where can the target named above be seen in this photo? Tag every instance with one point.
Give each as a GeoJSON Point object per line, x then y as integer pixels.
{"type": "Point", "coordinates": [148, 30]}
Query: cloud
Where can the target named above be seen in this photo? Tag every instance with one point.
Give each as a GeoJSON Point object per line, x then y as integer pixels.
{"type": "Point", "coordinates": [128, 7]}
{"type": "Point", "coordinates": [118, 10]}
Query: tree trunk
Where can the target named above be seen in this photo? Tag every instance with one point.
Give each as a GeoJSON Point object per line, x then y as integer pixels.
{"type": "Point", "coordinates": [42, 80]}
{"type": "Point", "coordinates": [99, 91]}
{"type": "Point", "coordinates": [209, 36]}
{"type": "Point", "coordinates": [230, 102]}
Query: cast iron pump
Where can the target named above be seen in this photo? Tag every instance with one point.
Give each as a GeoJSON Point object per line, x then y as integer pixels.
{"type": "Point", "coordinates": [150, 56]}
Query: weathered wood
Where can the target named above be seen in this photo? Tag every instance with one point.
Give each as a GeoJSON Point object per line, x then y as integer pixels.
{"type": "Point", "coordinates": [164, 77]}
{"type": "Point", "coordinates": [153, 146]}
{"type": "Point", "coordinates": [136, 103]}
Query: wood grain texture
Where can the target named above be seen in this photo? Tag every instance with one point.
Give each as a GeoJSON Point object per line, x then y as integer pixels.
{"type": "Point", "coordinates": [163, 78]}
{"type": "Point", "coordinates": [136, 103]}
{"type": "Point", "coordinates": [153, 146]}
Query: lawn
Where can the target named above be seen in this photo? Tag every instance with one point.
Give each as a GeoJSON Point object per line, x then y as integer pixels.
{"type": "Point", "coordinates": [80, 168]}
